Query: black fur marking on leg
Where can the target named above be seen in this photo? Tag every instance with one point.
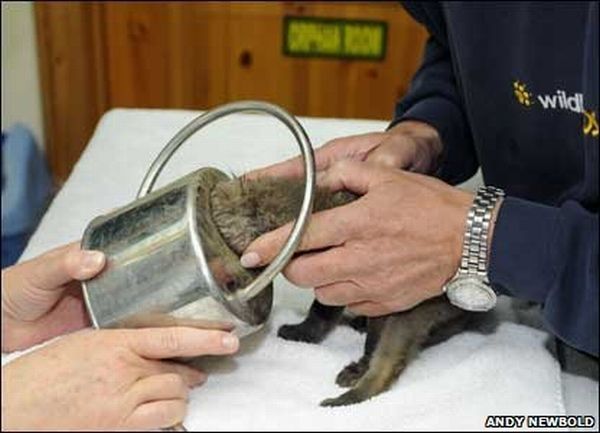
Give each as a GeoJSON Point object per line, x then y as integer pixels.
{"type": "Point", "coordinates": [320, 321]}
{"type": "Point", "coordinates": [358, 323]}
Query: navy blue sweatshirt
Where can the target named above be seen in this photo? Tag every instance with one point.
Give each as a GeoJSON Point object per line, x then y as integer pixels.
{"type": "Point", "coordinates": [513, 88]}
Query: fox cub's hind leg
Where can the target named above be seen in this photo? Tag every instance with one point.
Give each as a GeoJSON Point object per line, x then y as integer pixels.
{"type": "Point", "coordinates": [355, 370]}
{"type": "Point", "coordinates": [400, 339]}
{"type": "Point", "coordinates": [320, 321]}
{"type": "Point", "coordinates": [389, 358]}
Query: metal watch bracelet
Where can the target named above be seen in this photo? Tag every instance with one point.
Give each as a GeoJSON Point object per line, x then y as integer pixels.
{"type": "Point", "coordinates": [475, 242]}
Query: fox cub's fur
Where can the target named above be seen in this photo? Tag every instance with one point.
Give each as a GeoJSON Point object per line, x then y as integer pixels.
{"type": "Point", "coordinates": [245, 209]}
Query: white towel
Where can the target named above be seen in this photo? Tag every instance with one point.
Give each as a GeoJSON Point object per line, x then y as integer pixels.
{"type": "Point", "coordinates": [274, 384]}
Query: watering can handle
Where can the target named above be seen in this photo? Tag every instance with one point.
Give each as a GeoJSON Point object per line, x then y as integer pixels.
{"type": "Point", "coordinates": [301, 137]}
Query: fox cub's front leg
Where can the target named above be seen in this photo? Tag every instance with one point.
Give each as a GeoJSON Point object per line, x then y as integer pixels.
{"type": "Point", "coordinates": [320, 320]}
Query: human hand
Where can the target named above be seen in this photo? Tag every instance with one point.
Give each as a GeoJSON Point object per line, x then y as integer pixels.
{"type": "Point", "coordinates": [107, 379]}
{"type": "Point", "coordinates": [409, 145]}
{"type": "Point", "coordinates": [41, 298]}
{"type": "Point", "coordinates": [389, 250]}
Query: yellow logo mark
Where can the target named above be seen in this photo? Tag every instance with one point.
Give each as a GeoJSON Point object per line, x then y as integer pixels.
{"type": "Point", "coordinates": [523, 96]}
{"type": "Point", "coordinates": [590, 124]}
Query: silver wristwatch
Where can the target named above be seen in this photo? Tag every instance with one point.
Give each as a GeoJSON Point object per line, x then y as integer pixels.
{"type": "Point", "coordinates": [470, 288]}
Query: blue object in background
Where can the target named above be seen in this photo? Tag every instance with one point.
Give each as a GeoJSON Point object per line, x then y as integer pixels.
{"type": "Point", "coordinates": [26, 190]}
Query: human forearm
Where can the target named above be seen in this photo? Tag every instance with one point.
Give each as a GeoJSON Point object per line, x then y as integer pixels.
{"type": "Point", "coordinates": [549, 255]}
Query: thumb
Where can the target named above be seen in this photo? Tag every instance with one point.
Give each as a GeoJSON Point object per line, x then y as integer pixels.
{"type": "Point", "coordinates": [396, 151]}
{"type": "Point", "coordinates": [327, 228]}
{"type": "Point", "coordinates": [290, 168]}
{"type": "Point", "coordinates": [60, 266]}
{"type": "Point", "coordinates": [160, 343]}
{"type": "Point", "coordinates": [354, 147]}
{"type": "Point", "coordinates": [355, 176]}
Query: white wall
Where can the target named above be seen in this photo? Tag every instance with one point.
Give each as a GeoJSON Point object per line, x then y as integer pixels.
{"type": "Point", "coordinates": [21, 95]}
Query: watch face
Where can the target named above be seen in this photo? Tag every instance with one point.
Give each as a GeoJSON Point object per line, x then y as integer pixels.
{"type": "Point", "coordinates": [470, 293]}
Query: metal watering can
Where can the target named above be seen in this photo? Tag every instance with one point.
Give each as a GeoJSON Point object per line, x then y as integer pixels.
{"type": "Point", "coordinates": [167, 264]}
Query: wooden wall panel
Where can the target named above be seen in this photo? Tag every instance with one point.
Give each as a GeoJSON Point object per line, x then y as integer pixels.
{"type": "Point", "coordinates": [169, 54]}
{"type": "Point", "coordinates": [321, 87]}
{"type": "Point", "coordinates": [72, 65]}
{"type": "Point", "coordinates": [256, 66]}
{"type": "Point", "coordinates": [98, 55]}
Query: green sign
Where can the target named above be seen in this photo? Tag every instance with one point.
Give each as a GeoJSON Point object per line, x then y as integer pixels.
{"type": "Point", "coordinates": [337, 38]}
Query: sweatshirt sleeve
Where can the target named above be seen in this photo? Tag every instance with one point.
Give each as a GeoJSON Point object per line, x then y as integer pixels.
{"type": "Point", "coordinates": [549, 255]}
{"type": "Point", "coordinates": [434, 98]}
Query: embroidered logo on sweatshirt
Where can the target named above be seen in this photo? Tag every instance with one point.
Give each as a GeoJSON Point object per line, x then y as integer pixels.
{"type": "Point", "coordinates": [523, 96]}
{"type": "Point", "coordinates": [559, 100]}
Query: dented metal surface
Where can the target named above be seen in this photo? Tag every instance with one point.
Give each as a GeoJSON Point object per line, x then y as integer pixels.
{"type": "Point", "coordinates": [167, 263]}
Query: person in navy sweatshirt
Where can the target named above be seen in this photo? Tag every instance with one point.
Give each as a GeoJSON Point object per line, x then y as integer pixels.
{"type": "Point", "coordinates": [511, 87]}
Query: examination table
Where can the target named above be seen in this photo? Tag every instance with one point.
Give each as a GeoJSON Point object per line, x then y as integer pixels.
{"type": "Point", "coordinates": [506, 365]}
